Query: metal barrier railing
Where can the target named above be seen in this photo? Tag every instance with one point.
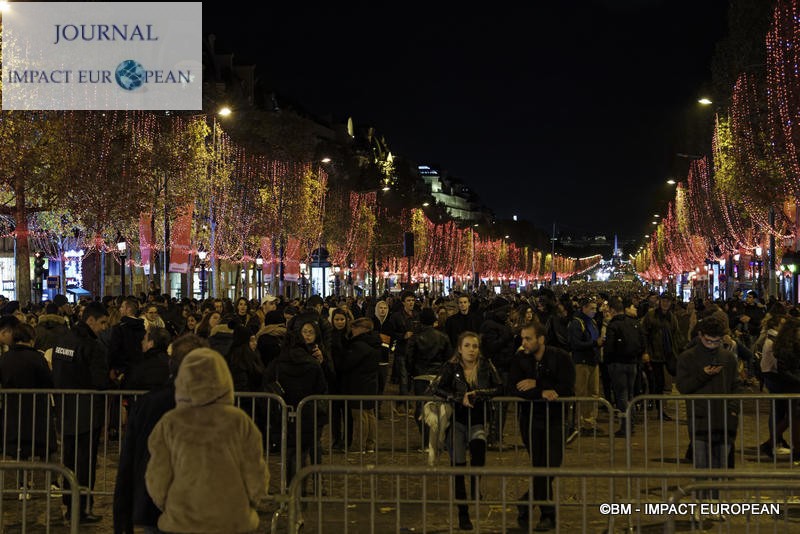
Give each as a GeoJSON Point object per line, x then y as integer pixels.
{"type": "Point", "coordinates": [667, 442]}
{"type": "Point", "coordinates": [372, 499]}
{"type": "Point", "coordinates": [28, 496]}
{"type": "Point", "coordinates": [407, 436]}
{"type": "Point", "coordinates": [67, 426]}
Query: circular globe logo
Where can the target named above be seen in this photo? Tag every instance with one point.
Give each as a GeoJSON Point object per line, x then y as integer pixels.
{"type": "Point", "coordinates": [129, 75]}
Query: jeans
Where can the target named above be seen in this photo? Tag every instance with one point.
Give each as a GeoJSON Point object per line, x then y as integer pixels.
{"type": "Point", "coordinates": [713, 454]}
{"type": "Point", "coordinates": [623, 377]}
{"type": "Point", "coordinates": [545, 445]}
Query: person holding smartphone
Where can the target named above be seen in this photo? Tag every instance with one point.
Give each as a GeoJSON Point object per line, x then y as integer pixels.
{"type": "Point", "coordinates": [707, 368]}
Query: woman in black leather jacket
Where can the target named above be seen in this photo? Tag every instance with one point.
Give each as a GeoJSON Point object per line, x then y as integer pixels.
{"type": "Point", "coordinates": [467, 380]}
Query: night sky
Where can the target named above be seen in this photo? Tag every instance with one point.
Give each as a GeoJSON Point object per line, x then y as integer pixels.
{"type": "Point", "coordinates": [561, 111]}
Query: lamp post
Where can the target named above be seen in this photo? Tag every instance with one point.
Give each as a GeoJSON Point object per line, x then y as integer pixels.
{"type": "Point", "coordinates": [259, 266]}
{"type": "Point", "coordinates": [303, 282]}
{"type": "Point", "coordinates": [202, 255]}
{"type": "Point", "coordinates": [122, 248]}
{"type": "Point", "coordinates": [758, 252]}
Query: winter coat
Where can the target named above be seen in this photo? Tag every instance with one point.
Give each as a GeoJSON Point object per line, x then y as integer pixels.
{"type": "Point", "coordinates": [152, 372]}
{"type": "Point", "coordinates": [582, 334]}
{"type": "Point", "coordinates": [705, 416]}
{"type": "Point", "coordinates": [662, 336]}
{"type": "Point", "coordinates": [28, 416]}
{"type": "Point", "coordinates": [249, 321]}
{"type": "Point", "coordinates": [80, 362]}
{"type": "Point", "coordinates": [458, 323]}
{"type": "Point", "coordinates": [300, 375]}
{"type": "Point", "coordinates": [426, 352]}
{"type": "Point", "coordinates": [497, 339]}
{"type": "Point", "coordinates": [555, 371]}
{"type": "Point", "coordinates": [125, 343]}
{"type": "Point", "coordinates": [206, 471]}
{"type": "Point", "coordinates": [221, 339]}
{"type": "Point", "coordinates": [325, 327]}
{"type": "Point", "coordinates": [452, 385]}
{"type": "Point", "coordinates": [358, 369]}
{"type": "Point", "coordinates": [268, 342]}
{"type": "Point", "coordinates": [50, 329]}
{"type": "Point", "coordinates": [132, 504]}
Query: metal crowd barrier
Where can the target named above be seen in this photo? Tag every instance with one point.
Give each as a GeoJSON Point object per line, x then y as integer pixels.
{"type": "Point", "coordinates": [399, 440]}
{"type": "Point", "coordinates": [376, 499]}
{"type": "Point", "coordinates": [34, 496]}
{"type": "Point", "coordinates": [667, 443]}
{"type": "Point", "coordinates": [73, 427]}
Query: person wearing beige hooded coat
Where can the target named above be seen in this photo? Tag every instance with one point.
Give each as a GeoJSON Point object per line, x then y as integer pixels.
{"type": "Point", "coordinates": [206, 471]}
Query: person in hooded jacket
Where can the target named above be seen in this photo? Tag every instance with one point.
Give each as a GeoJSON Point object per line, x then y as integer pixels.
{"type": "Point", "coordinates": [132, 505]}
{"type": "Point", "coordinates": [358, 375]}
{"type": "Point", "coordinates": [300, 371]}
{"type": "Point", "coordinates": [206, 471]}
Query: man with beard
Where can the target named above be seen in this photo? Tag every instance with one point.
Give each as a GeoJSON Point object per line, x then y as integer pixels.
{"type": "Point", "coordinates": [541, 374]}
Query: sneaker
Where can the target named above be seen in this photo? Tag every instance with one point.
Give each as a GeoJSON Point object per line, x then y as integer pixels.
{"type": "Point", "coordinates": [55, 491]}
{"type": "Point", "coordinates": [666, 417]}
{"type": "Point", "coordinates": [545, 524]}
{"type": "Point", "coordinates": [23, 494]}
{"type": "Point", "coordinates": [766, 449]}
{"type": "Point", "coordinates": [782, 451]}
{"type": "Point", "coordinates": [572, 436]}
{"type": "Point", "coordinates": [464, 522]}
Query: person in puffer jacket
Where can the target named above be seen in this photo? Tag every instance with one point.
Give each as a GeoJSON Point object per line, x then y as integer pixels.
{"type": "Point", "coordinates": [206, 471]}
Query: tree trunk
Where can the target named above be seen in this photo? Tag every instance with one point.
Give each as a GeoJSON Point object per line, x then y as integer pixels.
{"type": "Point", "coordinates": [23, 267]}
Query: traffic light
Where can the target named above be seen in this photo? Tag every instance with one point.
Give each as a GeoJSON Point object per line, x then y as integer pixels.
{"type": "Point", "coordinates": [38, 265]}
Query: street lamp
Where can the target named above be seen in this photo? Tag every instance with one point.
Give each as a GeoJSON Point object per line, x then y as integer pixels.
{"type": "Point", "coordinates": [705, 101]}
{"type": "Point", "coordinates": [259, 272]}
{"type": "Point", "coordinates": [202, 255]}
{"type": "Point", "coordinates": [122, 248]}
{"type": "Point", "coordinates": [671, 181]}
{"type": "Point", "coordinates": [758, 250]}
{"type": "Point", "coordinates": [303, 281]}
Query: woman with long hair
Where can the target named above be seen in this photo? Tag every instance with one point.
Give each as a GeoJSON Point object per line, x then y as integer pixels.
{"type": "Point", "coordinates": [207, 323]}
{"type": "Point", "coordinates": [467, 380]}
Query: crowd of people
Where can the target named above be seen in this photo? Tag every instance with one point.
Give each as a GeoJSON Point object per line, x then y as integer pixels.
{"type": "Point", "coordinates": [464, 349]}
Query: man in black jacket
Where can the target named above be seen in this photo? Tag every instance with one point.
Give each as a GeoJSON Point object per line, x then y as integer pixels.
{"type": "Point", "coordinates": [125, 344]}
{"type": "Point", "coordinates": [622, 350]}
{"type": "Point", "coordinates": [132, 503]}
{"type": "Point", "coordinates": [401, 325]}
{"type": "Point", "coordinates": [80, 362]}
{"type": "Point", "coordinates": [463, 321]}
{"type": "Point", "coordinates": [497, 344]}
{"type": "Point", "coordinates": [541, 374]}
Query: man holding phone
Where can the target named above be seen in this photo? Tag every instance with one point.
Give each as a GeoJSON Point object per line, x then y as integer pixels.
{"type": "Point", "coordinates": [707, 368]}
